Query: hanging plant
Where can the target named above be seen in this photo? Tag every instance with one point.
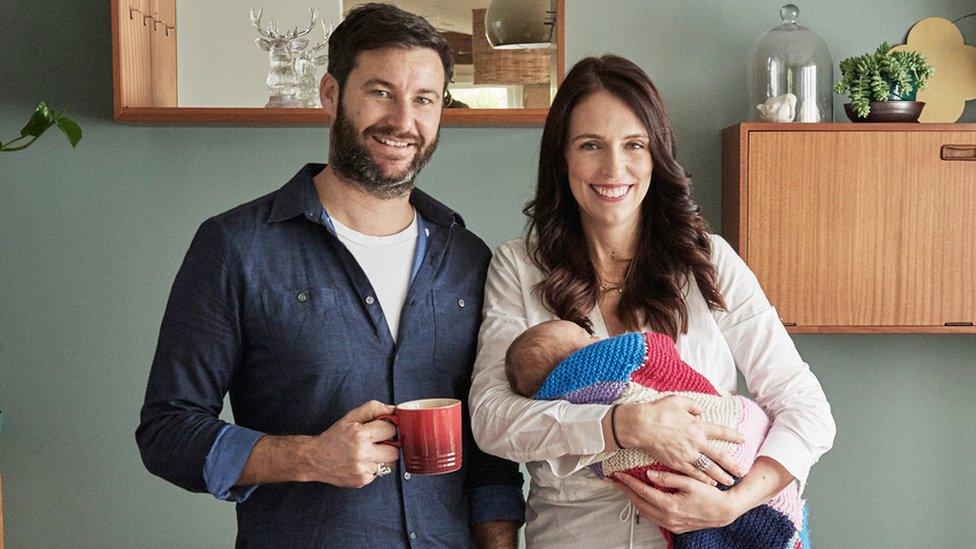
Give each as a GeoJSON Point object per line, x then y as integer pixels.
{"type": "Point", "coordinates": [42, 119]}
{"type": "Point", "coordinates": [882, 76]}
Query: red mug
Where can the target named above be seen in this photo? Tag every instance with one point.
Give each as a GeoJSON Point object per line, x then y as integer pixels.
{"type": "Point", "coordinates": [429, 435]}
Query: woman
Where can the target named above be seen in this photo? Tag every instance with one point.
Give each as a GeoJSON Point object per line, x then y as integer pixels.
{"type": "Point", "coordinates": [615, 244]}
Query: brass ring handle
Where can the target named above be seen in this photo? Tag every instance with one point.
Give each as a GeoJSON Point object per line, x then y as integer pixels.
{"type": "Point", "coordinates": [958, 152]}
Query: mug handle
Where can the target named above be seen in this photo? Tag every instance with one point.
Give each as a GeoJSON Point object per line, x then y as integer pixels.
{"type": "Point", "coordinates": [396, 423]}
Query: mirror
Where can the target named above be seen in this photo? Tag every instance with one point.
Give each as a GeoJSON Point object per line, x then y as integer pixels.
{"type": "Point", "coordinates": [198, 61]}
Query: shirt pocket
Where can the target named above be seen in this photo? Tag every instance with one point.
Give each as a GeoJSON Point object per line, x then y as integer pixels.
{"type": "Point", "coordinates": [305, 327]}
{"type": "Point", "coordinates": [457, 318]}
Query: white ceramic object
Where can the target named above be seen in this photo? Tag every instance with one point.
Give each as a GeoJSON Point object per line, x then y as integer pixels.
{"type": "Point", "coordinates": [781, 108]}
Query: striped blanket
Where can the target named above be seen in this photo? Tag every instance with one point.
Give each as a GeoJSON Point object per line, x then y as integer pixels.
{"type": "Point", "coordinates": [644, 367]}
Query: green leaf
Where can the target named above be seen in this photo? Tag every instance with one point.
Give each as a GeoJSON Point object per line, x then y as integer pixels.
{"type": "Point", "coordinates": [39, 122]}
{"type": "Point", "coordinates": [70, 129]}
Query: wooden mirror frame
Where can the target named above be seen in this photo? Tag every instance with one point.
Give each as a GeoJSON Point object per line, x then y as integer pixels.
{"type": "Point", "coordinates": [261, 116]}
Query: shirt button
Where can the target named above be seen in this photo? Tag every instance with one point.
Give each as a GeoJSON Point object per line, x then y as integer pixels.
{"type": "Point", "coordinates": [460, 303]}
{"type": "Point", "coordinates": [370, 300]}
{"type": "Point", "coordinates": [302, 296]}
{"type": "Point", "coordinates": [413, 535]}
{"type": "Point", "coordinates": [406, 476]}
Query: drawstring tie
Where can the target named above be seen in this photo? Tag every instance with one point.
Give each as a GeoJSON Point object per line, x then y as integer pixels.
{"type": "Point", "coordinates": [629, 514]}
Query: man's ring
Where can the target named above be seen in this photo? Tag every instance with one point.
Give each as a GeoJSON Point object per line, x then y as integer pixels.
{"type": "Point", "coordinates": [382, 469]}
{"type": "Point", "coordinates": [703, 463]}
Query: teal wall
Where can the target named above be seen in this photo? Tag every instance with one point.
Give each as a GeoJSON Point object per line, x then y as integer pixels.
{"type": "Point", "coordinates": [90, 241]}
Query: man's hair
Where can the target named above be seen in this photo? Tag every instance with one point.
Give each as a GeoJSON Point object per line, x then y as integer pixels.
{"type": "Point", "coordinates": [373, 26]}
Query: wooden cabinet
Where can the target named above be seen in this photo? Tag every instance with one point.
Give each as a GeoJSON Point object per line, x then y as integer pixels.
{"type": "Point", "coordinates": [857, 227]}
{"type": "Point", "coordinates": [146, 70]}
{"type": "Point", "coordinates": [137, 68]}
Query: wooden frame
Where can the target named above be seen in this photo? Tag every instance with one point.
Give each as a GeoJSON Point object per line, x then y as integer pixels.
{"type": "Point", "coordinates": [259, 116]}
{"type": "Point", "coordinates": [736, 200]}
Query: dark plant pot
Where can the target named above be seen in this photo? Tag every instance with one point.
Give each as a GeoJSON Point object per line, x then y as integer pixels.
{"type": "Point", "coordinates": [888, 111]}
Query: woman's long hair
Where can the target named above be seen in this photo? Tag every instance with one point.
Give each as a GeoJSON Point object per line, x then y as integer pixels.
{"type": "Point", "coordinates": [673, 238]}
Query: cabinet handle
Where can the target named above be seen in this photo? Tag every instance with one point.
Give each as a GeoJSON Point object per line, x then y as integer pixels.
{"type": "Point", "coordinates": [158, 22]}
{"type": "Point", "coordinates": [168, 28]}
{"type": "Point", "coordinates": [958, 152]}
{"type": "Point", "coordinates": [134, 10]}
{"type": "Point", "coordinates": [958, 324]}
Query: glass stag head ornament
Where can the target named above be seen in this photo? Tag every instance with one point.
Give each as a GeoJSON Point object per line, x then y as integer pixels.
{"type": "Point", "coordinates": [790, 74]}
{"type": "Point", "coordinates": [291, 75]}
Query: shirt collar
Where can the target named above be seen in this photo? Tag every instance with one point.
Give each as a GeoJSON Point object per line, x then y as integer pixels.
{"type": "Point", "coordinates": [299, 197]}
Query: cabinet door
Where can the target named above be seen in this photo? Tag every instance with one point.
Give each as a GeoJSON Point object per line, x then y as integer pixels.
{"type": "Point", "coordinates": [134, 50]}
{"type": "Point", "coordinates": [862, 228]}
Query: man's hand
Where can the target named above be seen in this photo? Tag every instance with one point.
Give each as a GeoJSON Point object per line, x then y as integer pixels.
{"type": "Point", "coordinates": [346, 454]}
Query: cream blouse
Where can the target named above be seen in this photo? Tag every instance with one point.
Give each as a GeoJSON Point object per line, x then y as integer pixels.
{"type": "Point", "coordinates": [567, 505]}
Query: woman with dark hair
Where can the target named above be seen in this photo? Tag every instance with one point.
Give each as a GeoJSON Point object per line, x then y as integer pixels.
{"type": "Point", "coordinates": [616, 244]}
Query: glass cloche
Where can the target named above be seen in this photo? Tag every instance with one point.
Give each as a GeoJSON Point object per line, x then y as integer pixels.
{"type": "Point", "coordinates": [790, 74]}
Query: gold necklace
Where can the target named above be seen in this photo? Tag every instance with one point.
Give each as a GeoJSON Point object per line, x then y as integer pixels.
{"type": "Point", "coordinates": [603, 287]}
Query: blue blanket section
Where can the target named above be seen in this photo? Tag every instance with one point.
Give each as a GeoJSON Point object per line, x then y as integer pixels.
{"type": "Point", "coordinates": [762, 527]}
{"type": "Point", "coordinates": [610, 360]}
{"type": "Point", "coordinates": [805, 533]}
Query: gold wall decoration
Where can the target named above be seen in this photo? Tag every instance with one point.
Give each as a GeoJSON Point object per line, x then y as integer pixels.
{"type": "Point", "coordinates": [954, 82]}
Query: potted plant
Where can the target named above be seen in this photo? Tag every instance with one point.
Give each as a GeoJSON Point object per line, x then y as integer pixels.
{"type": "Point", "coordinates": [882, 85]}
{"type": "Point", "coordinates": [42, 119]}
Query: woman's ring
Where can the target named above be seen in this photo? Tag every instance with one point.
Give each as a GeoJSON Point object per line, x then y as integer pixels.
{"type": "Point", "coordinates": [382, 469]}
{"type": "Point", "coordinates": [703, 462]}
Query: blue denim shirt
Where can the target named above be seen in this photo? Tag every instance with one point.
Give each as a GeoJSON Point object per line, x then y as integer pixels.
{"type": "Point", "coordinates": [270, 307]}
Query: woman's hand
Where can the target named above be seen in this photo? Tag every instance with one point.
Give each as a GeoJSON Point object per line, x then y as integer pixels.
{"type": "Point", "coordinates": [694, 506]}
{"type": "Point", "coordinates": [670, 431]}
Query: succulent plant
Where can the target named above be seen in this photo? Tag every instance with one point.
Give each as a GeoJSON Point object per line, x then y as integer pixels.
{"type": "Point", "coordinates": [882, 76]}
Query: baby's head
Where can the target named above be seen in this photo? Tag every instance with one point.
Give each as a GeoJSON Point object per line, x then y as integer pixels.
{"type": "Point", "coordinates": [538, 350]}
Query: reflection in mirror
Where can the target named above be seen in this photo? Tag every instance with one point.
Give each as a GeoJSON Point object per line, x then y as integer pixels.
{"type": "Point", "coordinates": [484, 77]}
{"type": "Point", "coordinates": [199, 53]}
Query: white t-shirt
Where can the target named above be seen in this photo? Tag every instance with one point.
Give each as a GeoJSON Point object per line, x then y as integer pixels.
{"type": "Point", "coordinates": [388, 264]}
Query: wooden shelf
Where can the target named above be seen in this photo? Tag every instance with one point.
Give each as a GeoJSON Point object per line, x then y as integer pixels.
{"type": "Point", "coordinates": [746, 127]}
{"type": "Point", "coordinates": [881, 329]}
{"type": "Point", "coordinates": [206, 116]}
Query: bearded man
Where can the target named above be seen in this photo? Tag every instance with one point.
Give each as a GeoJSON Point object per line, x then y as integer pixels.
{"type": "Point", "coordinates": [313, 306]}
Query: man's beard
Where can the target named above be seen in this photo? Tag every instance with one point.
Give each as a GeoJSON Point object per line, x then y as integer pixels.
{"type": "Point", "coordinates": [350, 158]}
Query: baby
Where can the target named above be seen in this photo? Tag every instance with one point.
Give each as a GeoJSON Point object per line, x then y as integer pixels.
{"type": "Point", "coordinates": [539, 349]}
{"type": "Point", "coordinates": [559, 360]}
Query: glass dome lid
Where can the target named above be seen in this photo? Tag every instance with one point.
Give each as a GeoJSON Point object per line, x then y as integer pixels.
{"type": "Point", "coordinates": [790, 74]}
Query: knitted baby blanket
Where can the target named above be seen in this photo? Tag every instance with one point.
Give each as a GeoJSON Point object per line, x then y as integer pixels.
{"type": "Point", "coordinates": [636, 367]}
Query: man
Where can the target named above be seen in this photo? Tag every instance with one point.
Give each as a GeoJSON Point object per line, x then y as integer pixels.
{"type": "Point", "coordinates": [345, 289]}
